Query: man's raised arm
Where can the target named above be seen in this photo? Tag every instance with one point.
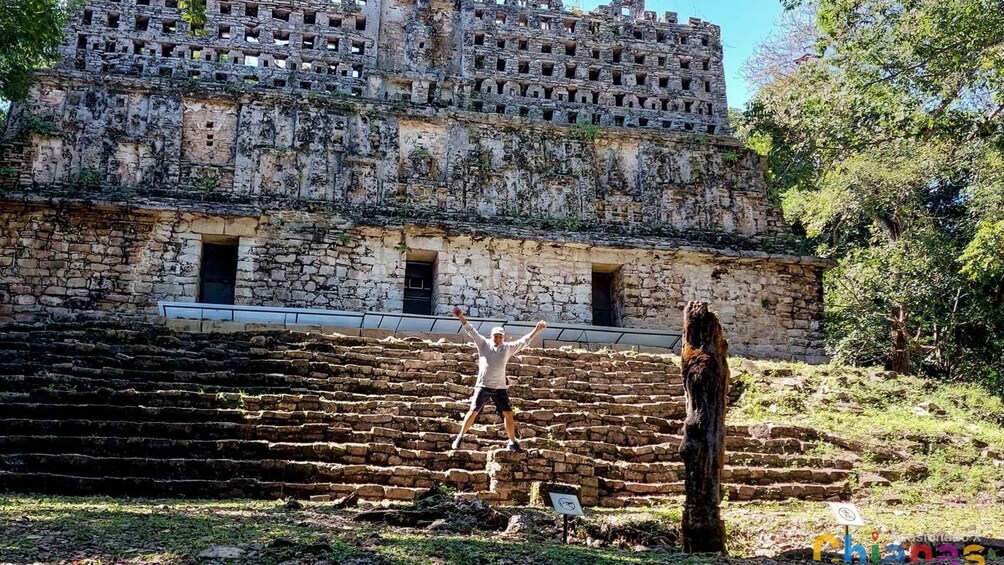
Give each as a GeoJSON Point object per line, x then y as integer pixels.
{"type": "Point", "coordinates": [467, 327]}
{"type": "Point", "coordinates": [525, 340]}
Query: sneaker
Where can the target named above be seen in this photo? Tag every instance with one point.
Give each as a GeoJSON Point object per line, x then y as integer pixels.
{"type": "Point", "coordinates": [513, 445]}
{"type": "Point", "coordinates": [456, 444]}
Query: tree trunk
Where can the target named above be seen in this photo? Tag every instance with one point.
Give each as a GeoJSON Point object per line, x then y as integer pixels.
{"type": "Point", "coordinates": [900, 341]}
{"type": "Point", "coordinates": [706, 382]}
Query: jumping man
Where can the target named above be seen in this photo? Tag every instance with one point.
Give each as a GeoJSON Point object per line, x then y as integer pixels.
{"type": "Point", "coordinates": [492, 382]}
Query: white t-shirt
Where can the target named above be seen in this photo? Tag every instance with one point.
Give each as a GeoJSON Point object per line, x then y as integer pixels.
{"type": "Point", "coordinates": [492, 360]}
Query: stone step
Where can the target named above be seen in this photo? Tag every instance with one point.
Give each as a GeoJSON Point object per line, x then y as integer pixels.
{"type": "Point", "coordinates": [741, 493]}
{"type": "Point", "coordinates": [375, 452]}
{"type": "Point", "coordinates": [443, 356]}
{"type": "Point", "coordinates": [267, 470]}
{"type": "Point", "coordinates": [67, 484]}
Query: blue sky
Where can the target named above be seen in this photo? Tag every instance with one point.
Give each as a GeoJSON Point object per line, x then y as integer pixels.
{"type": "Point", "coordinates": [744, 23]}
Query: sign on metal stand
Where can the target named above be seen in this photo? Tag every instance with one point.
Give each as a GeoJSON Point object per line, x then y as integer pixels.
{"type": "Point", "coordinates": [566, 505]}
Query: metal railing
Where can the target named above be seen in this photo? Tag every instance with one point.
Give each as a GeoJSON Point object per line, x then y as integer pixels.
{"type": "Point", "coordinates": [399, 322]}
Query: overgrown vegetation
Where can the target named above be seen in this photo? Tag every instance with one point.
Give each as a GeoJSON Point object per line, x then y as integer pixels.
{"type": "Point", "coordinates": [887, 149]}
{"type": "Point", "coordinates": [30, 33]}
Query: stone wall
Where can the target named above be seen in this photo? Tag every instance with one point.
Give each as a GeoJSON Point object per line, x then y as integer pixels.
{"type": "Point", "coordinates": [617, 65]}
{"type": "Point", "coordinates": [62, 258]}
{"type": "Point", "coordinates": [139, 138]}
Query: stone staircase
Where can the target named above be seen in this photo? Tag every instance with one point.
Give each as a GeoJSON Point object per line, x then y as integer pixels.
{"type": "Point", "coordinates": [143, 411]}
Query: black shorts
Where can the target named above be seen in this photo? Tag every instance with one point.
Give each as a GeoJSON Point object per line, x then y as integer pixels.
{"type": "Point", "coordinates": [499, 396]}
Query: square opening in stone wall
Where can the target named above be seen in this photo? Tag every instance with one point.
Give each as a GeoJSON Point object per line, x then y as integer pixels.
{"type": "Point", "coordinates": [500, 109]}
{"type": "Point", "coordinates": [218, 269]}
{"type": "Point", "coordinates": [643, 122]}
{"type": "Point", "coordinates": [308, 42]}
{"type": "Point", "coordinates": [309, 17]}
{"type": "Point", "coordinates": [500, 65]}
{"type": "Point", "coordinates": [304, 85]}
{"type": "Point", "coordinates": [548, 115]}
{"type": "Point", "coordinates": [639, 34]}
{"type": "Point", "coordinates": [167, 50]}
{"type": "Point", "coordinates": [479, 38]}
{"type": "Point", "coordinates": [707, 86]}
{"type": "Point", "coordinates": [225, 8]}
{"type": "Point", "coordinates": [165, 71]}
{"type": "Point", "coordinates": [112, 20]}
{"type": "Point", "coordinates": [500, 44]}
{"type": "Point", "coordinates": [109, 47]}
{"type": "Point", "coordinates": [142, 2]}
{"type": "Point", "coordinates": [619, 121]}
{"type": "Point", "coordinates": [279, 83]}
{"type": "Point", "coordinates": [280, 14]}
{"type": "Point", "coordinates": [545, 47]}
{"type": "Point", "coordinates": [704, 40]}
{"type": "Point", "coordinates": [223, 31]}
{"type": "Point", "coordinates": [595, 119]}
{"type": "Point", "coordinates": [666, 124]}
{"type": "Point", "coordinates": [684, 39]}
{"type": "Point", "coordinates": [479, 14]}
{"type": "Point", "coordinates": [524, 112]}
{"type": "Point", "coordinates": [688, 107]}
{"type": "Point", "coordinates": [570, 48]}
{"type": "Point", "coordinates": [596, 98]}
{"type": "Point", "coordinates": [251, 10]}
{"type": "Point", "coordinates": [332, 44]}
{"type": "Point", "coordinates": [594, 73]}
{"type": "Point", "coordinates": [661, 36]}
{"type": "Point", "coordinates": [360, 23]}
{"type": "Point", "coordinates": [523, 67]}
{"type": "Point", "coordinates": [545, 23]}
{"type": "Point", "coordinates": [524, 45]}
{"type": "Point", "coordinates": [170, 3]}
{"type": "Point", "coordinates": [281, 38]}
{"type": "Point", "coordinates": [639, 59]}
{"type": "Point", "coordinates": [663, 82]}
{"type": "Point", "coordinates": [87, 17]}
{"type": "Point", "coordinates": [169, 26]}
{"type": "Point", "coordinates": [711, 129]}
{"type": "Point", "coordinates": [357, 71]}
{"type": "Point", "coordinates": [661, 61]}
{"type": "Point", "coordinates": [252, 35]}
{"type": "Point", "coordinates": [594, 27]}
{"type": "Point", "coordinates": [616, 54]}
{"type": "Point", "coordinates": [640, 78]}
{"type": "Point", "coordinates": [522, 21]}
{"type": "Point", "coordinates": [334, 22]}
{"type": "Point", "coordinates": [688, 126]}
{"type": "Point", "coordinates": [358, 48]}
{"type": "Point", "coordinates": [250, 60]}
{"type": "Point", "coordinates": [547, 69]}
{"type": "Point", "coordinates": [108, 67]}
{"type": "Point", "coordinates": [617, 78]}
{"type": "Point", "coordinates": [684, 63]}
{"type": "Point", "coordinates": [706, 65]}
{"type": "Point", "coordinates": [279, 62]}
{"type": "Point", "coordinates": [573, 117]}
{"type": "Point", "coordinates": [81, 41]}
{"type": "Point", "coordinates": [479, 106]}
{"type": "Point", "coordinates": [595, 54]}
{"type": "Point", "coordinates": [570, 71]}
{"type": "Point", "coordinates": [221, 77]}
{"type": "Point", "coordinates": [500, 17]}
{"type": "Point", "coordinates": [685, 83]}
{"type": "Point", "coordinates": [618, 100]}
{"type": "Point", "coordinates": [137, 47]}
{"type": "Point", "coordinates": [570, 26]}
{"type": "Point", "coordinates": [479, 62]}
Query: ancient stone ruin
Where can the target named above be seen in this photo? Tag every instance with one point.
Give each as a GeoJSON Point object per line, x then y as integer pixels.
{"type": "Point", "coordinates": [519, 159]}
{"type": "Point", "coordinates": [102, 408]}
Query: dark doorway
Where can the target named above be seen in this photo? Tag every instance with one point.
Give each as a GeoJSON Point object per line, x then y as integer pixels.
{"type": "Point", "coordinates": [602, 299]}
{"type": "Point", "coordinates": [418, 287]}
{"type": "Point", "coordinates": [219, 273]}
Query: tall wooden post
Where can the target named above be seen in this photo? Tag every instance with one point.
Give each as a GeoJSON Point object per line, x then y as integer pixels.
{"type": "Point", "coordinates": [706, 381]}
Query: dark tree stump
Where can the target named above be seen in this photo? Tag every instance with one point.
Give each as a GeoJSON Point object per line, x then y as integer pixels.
{"type": "Point", "coordinates": [706, 382]}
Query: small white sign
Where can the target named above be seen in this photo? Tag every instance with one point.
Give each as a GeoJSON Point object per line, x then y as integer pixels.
{"type": "Point", "coordinates": [847, 514]}
{"type": "Point", "coordinates": [566, 504]}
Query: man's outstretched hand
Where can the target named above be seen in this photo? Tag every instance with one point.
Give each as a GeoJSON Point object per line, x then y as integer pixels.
{"type": "Point", "coordinates": [458, 312]}
{"type": "Point", "coordinates": [540, 326]}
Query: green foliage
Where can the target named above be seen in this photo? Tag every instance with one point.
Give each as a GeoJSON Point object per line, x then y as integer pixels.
{"type": "Point", "coordinates": [344, 239]}
{"type": "Point", "coordinates": [87, 178]}
{"type": "Point", "coordinates": [193, 12]}
{"type": "Point", "coordinates": [885, 151]}
{"type": "Point", "coordinates": [30, 33]}
{"type": "Point", "coordinates": [587, 132]}
{"type": "Point", "coordinates": [32, 123]}
{"type": "Point", "coordinates": [402, 248]}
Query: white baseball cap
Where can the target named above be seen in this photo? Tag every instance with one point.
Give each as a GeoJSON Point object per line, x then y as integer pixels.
{"type": "Point", "coordinates": [498, 330]}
